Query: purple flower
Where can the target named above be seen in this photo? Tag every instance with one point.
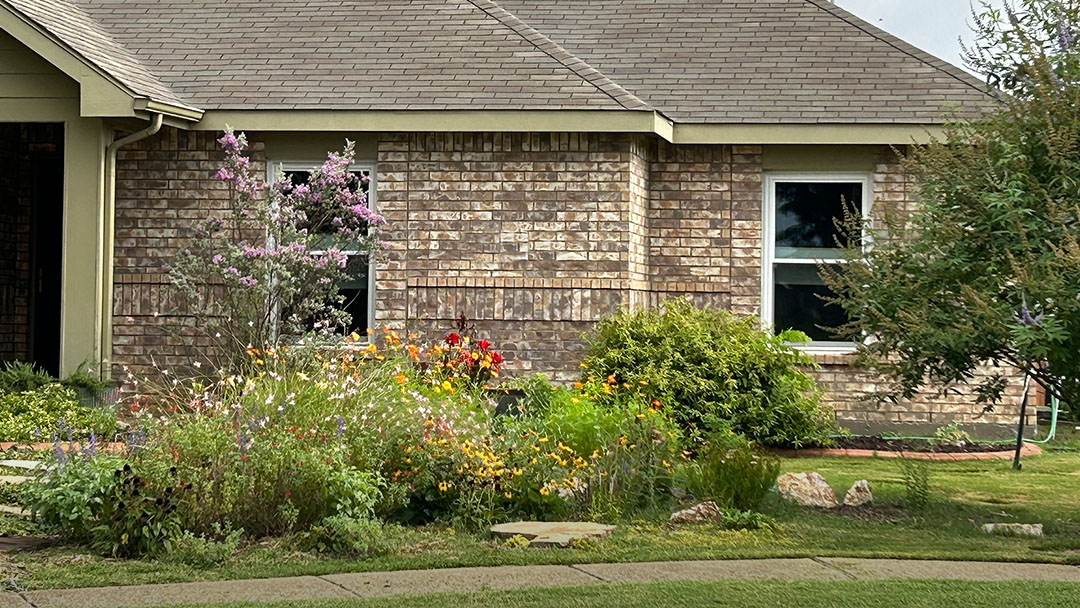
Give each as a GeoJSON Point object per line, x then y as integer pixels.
{"type": "Point", "coordinates": [217, 259]}
{"type": "Point", "coordinates": [1025, 317]}
{"type": "Point", "coordinates": [248, 281]}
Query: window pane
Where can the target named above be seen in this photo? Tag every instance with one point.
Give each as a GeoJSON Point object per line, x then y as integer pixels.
{"type": "Point", "coordinates": [798, 304]}
{"type": "Point", "coordinates": [355, 288]}
{"type": "Point", "coordinates": [806, 214]}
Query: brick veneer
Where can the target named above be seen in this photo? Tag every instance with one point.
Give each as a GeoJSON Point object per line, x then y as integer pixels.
{"type": "Point", "coordinates": [163, 185]}
{"type": "Point", "coordinates": [14, 244]}
{"type": "Point", "coordinates": [534, 237]}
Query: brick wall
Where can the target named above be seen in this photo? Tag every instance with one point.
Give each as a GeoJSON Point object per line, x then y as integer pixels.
{"type": "Point", "coordinates": [534, 237]}
{"type": "Point", "coordinates": [164, 184]}
{"type": "Point", "coordinates": [14, 244]}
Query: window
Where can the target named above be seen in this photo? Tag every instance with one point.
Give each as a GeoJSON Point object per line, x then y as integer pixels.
{"type": "Point", "coordinates": [800, 233]}
{"type": "Point", "coordinates": [359, 292]}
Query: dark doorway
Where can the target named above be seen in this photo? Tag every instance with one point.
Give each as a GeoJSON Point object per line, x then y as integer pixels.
{"type": "Point", "coordinates": [31, 240]}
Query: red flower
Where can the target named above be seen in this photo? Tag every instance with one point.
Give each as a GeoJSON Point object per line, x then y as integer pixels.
{"type": "Point", "coordinates": [496, 358]}
{"type": "Point", "coordinates": [452, 339]}
{"type": "Point", "coordinates": [484, 344]}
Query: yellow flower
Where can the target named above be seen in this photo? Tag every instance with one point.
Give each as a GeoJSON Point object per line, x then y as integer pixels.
{"type": "Point", "coordinates": [544, 491]}
{"type": "Point", "coordinates": [508, 494]}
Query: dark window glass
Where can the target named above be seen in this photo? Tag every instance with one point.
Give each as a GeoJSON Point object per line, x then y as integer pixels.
{"type": "Point", "coordinates": [355, 288]}
{"type": "Point", "coordinates": [806, 214]}
{"type": "Point", "coordinates": [798, 304]}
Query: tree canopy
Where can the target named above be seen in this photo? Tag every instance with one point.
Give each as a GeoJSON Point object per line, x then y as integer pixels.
{"type": "Point", "coordinates": [985, 269]}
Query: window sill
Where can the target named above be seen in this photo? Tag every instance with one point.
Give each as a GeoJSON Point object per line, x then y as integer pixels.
{"type": "Point", "coordinates": [828, 354]}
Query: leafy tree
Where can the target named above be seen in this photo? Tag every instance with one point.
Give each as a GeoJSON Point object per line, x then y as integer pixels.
{"type": "Point", "coordinates": [985, 269]}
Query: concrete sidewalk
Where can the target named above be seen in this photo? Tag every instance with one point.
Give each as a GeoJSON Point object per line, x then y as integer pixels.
{"type": "Point", "coordinates": [413, 582]}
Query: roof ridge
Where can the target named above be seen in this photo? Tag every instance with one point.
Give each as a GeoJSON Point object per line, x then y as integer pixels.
{"type": "Point", "coordinates": [899, 44]}
{"type": "Point", "coordinates": [567, 59]}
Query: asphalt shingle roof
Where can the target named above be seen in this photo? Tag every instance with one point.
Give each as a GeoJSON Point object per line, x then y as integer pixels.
{"type": "Point", "coordinates": [756, 61]}
{"type": "Point", "coordinates": [696, 61]}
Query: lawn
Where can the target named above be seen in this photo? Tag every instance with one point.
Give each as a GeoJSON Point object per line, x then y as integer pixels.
{"type": "Point", "coordinates": [964, 496]}
{"type": "Point", "coordinates": [738, 594]}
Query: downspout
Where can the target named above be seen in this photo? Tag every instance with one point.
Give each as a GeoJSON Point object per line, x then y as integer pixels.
{"type": "Point", "coordinates": [106, 252]}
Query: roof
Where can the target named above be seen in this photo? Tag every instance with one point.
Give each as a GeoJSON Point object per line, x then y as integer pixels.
{"type": "Point", "coordinates": [693, 61]}
{"type": "Point", "coordinates": [72, 27]}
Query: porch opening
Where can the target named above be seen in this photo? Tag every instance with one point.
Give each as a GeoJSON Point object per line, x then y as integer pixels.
{"type": "Point", "coordinates": [31, 242]}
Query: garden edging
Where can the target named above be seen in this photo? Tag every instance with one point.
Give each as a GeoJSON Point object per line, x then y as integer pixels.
{"type": "Point", "coordinates": [1028, 449]}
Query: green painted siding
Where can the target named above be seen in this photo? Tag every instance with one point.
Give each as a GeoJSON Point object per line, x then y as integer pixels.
{"type": "Point", "coordinates": [25, 75]}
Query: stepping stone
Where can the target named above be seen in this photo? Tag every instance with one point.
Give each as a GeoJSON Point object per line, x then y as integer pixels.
{"type": "Point", "coordinates": [14, 479]}
{"type": "Point", "coordinates": [21, 512]}
{"type": "Point", "coordinates": [551, 533]}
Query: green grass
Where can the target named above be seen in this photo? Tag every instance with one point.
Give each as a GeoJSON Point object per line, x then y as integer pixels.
{"type": "Point", "coordinates": [964, 496]}
{"type": "Point", "coordinates": [737, 594]}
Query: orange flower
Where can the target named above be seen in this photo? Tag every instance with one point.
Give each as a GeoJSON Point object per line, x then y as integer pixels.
{"type": "Point", "coordinates": [401, 378]}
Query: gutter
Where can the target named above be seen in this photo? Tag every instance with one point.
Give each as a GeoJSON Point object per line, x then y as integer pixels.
{"type": "Point", "coordinates": [106, 235]}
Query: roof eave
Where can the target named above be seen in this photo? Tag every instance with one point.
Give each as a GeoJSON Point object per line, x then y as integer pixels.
{"type": "Point", "coordinates": [101, 95]}
{"type": "Point", "coordinates": [586, 121]}
{"type": "Point", "coordinates": [807, 133]}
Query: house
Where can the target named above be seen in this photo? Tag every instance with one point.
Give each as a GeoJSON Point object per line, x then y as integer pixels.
{"type": "Point", "coordinates": [541, 164]}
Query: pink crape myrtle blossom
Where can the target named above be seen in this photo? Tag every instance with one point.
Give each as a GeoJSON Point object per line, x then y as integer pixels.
{"type": "Point", "coordinates": [268, 268]}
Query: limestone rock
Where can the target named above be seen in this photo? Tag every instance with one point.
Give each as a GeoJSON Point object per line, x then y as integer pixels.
{"type": "Point", "coordinates": [859, 494]}
{"type": "Point", "coordinates": [1014, 529]}
{"type": "Point", "coordinates": [806, 489]}
{"type": "Point", "coordinates": [551, 534]}
{"type": "Point", "coordinates": [706, 511]}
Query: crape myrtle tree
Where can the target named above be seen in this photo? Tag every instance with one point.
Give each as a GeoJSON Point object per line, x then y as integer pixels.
{"type": "Point", "coordinates": [984, 271]}
{"type": "Point", "coordinates": [269, 267]}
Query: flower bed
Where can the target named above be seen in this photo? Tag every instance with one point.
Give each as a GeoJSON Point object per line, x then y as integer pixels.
{"type": "Point", "coordinates": [312, 443]}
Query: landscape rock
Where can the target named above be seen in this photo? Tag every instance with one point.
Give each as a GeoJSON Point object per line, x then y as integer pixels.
{"type": "Point", "coordinates": [859, 494]}
{"type": "Point", "coordinates": [1014, 529]}
{"type": "Point", "coordinates": [551, 534]}
{"type": "Point", "coordinates": [807, 489]}
{"type": "Point", "coordinates": [706, 511]}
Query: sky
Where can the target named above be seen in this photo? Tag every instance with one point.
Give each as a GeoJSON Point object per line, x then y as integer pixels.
{"type": "Point", "coordinates": [932, 25]}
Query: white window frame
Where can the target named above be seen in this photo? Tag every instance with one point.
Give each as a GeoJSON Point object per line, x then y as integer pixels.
{"type": "Point", "coordinates": [280, 167]}
{"type": "Point", "coordinates": [768, 245]}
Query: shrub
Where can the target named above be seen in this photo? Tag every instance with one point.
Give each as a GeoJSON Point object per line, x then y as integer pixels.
{"type": "Point", "coordinates": [716, 370]}
{"type": "Point", "coordinates": [34, 415]}
{"type": "Point", "coordinates": [103, 502]}
{"type": "Point", "coordinates": [205, 551]}
{"type": "Point", "coordinates": [270, 267]}
{"type": "Point", "coordinates": [737, 477]}
{"type": "Point", "coordinates": [353, 537]}
{"type": "Point", "coordinates": [951, 434]}
{"type": "Point", "coordinates": [19, 376]}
